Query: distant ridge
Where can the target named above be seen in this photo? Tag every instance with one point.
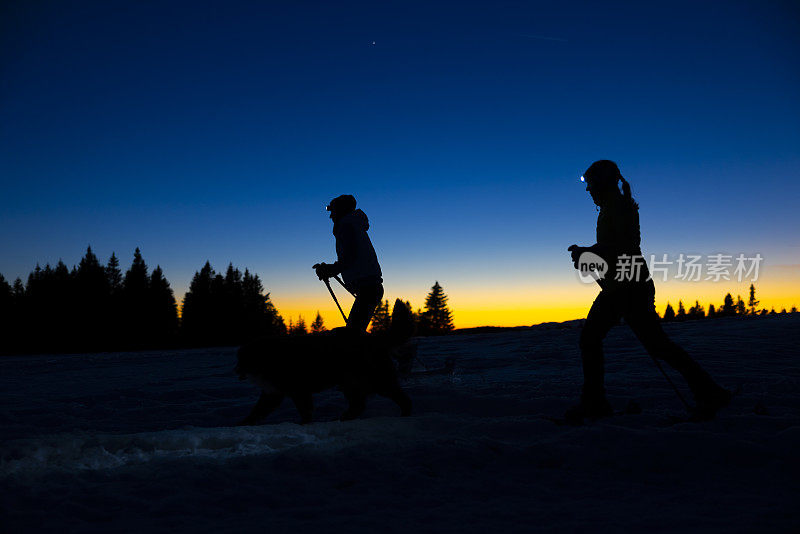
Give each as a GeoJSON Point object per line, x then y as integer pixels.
{"type": "Point", "coordinates": [574, 323]}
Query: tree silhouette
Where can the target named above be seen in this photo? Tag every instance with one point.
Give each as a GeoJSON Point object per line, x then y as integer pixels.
{"type": "Point", "coordinates": [135, 300]}
{"type": "Point", "coordinates": [437, 319]}
{"type": "Point", "coordinates": [114, 280]}
{"type": "Point", "coordinates": [681, 315]}
{"type": "Point", "coordinates": [300, 327]}
{"type": "Point", "coordinates": [92, 303]}
{"type": "Point", "coordinates": [712, 312]}
{"type": "Point", "coordinates": [260, 316]}
{"type": "Point", "coordinates": [318, 325]}
{"type": "Point", "coordinates": [740, 307]}
{"type": "Point", "coordinates": [381, 319]}
{"type": "Point", "coordinates": [401, 311]}
{"type": "Point", "coordinates": [752, 301]}
{"type": "Point", "coordinates": [197, 314]}
{"type": "Point", "coordinates": [95, 307]}
{"type": "Point", "coordinates": [697, 311]}
{"type": "Point", "coordinates": [7, 338]}
{"type": "Point", "coordinates": [113, 275]}
{"type": "Point", "coordinates": [728, 307]}
{"type": "Point", "coordinates": [669, 313]}
{"type": "Point", "coordinates": [162, 310]}
{"type": "Point", "coordinates": [227, 310]}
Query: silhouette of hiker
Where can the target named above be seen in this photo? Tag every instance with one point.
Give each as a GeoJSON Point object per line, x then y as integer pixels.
{"type": "Point", "coordinates": [356, 261]}
{"type": "Point", "coordinates": [631, 297]}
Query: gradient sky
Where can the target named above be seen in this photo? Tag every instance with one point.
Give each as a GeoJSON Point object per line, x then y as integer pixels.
{"type": "Point", "coordinates": [219, 131]}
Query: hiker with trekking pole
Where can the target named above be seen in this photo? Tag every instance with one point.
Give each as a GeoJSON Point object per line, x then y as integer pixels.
{"type": "Point", "coordinates": [356, 262]}
{"type": "Point", "coordinates": [629, 295]}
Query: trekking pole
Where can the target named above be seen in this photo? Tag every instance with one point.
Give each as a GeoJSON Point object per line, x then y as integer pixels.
{"type": "Point", "coordinates": [671, 383]}
{"type": "Point", "coordinates": [336, 276]}
{"type": "Point", "coordinates": [328, 285]}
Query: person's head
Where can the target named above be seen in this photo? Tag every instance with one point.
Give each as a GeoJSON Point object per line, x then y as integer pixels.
{"type": "Point", "coordinates": [341, 206]}
{"type": "Point", "coordinates": [601, 181]}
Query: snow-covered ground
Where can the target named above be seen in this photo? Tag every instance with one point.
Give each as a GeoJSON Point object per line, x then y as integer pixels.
{"type": "Point", "coordinates": [142, 441]}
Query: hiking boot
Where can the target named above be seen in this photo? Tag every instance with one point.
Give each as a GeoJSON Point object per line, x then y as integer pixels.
{"type": "Point", "coordinates": [588, 409]}
{"type": "Point", "coordinates": [709, 402]}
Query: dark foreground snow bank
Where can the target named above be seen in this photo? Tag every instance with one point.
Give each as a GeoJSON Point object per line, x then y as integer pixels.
{"type": "Point", "coordinates": [134, 441]}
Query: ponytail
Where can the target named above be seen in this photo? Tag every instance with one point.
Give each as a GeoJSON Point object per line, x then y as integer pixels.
{"type": "Point", "coordinates": [626, 188]}
{"type": "Point", "coordinates": [626, 191]}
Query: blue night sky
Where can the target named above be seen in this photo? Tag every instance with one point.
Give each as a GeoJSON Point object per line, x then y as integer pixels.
{"type": "Point", "coordinates": [220, 130]}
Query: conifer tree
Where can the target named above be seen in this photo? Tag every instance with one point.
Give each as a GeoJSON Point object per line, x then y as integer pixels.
{"type": "Point", "coordinates": [318, 325]}
{"type": "Point", "coordinates": [135, 300]}
{"type": "Point", "coordinates": [740, 307]}
{"type": "Point", "coordinates": [162, 311]}
{"type": "Point", "coordinates": [19, 311]}
{"type": "Point", "coordinates": [697, 311]}
{"type": "Point", "coordinates": [197, 320]}
{"type": "Point", "coordinates": [300, 327]}
{"type": "Point", "coordinates": [752, 301]}
{"type": "Point", "coordinates": [669, 313]}
{"type": "Point", "coordinates": [712, 312]}
{"type": "Point", "coordinates": [728, 307]}
{"type": "Point", "coordinates": [114, 275]}
{"type": "Point", "coordinates": [402, 317]}
{"type": "Point", "coordinates": [260, 316]}
{"type": "Point", "coordinates": [381, 319]}
{"type": "Point", "coordinates": [114, 279]}
{"type": "Point", "coordinates": [7, 335]}
{"type": "Point", "coordinates": [63, 294]}
{"type": "Point", "coordinates": [437, 319]}
{"type": "Point", "coordinates": [681, 315]}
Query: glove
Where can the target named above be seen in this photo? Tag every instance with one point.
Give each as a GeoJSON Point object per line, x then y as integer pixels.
{"type": "Point", "coordinates": [325, 271]}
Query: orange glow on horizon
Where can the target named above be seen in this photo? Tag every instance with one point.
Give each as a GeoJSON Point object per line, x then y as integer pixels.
{"type": "Point", "coordinates": [525, 306]}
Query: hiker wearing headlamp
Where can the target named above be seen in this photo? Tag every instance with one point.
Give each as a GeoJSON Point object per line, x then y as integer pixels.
{"type": "Point", "coordinates": [356, 261]}
{"type": "Point", "coordinates": [633, 299]}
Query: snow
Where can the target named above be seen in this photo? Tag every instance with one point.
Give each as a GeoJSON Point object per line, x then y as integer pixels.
{"type": "Point", "coordinates": [133, 441]}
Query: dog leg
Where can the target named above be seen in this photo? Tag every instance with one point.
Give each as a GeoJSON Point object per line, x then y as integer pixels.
{"type": "Point", "coordinates": [357, 404]}
{"type": "Point", "coordinates": [267, 403]}
{"type": "Point", "coordinates": [305, 405]}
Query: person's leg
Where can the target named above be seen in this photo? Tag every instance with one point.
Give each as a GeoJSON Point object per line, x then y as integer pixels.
{"type": "Point", "coordinates": [368, 296]}
{"type": "Point", "coordinates": [603, 315]}
{"type": "Point", "coordinates": [645, 323]}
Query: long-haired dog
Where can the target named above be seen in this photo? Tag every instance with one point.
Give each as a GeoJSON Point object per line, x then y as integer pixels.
{"type": "Point", "coordinates": [298, 366]}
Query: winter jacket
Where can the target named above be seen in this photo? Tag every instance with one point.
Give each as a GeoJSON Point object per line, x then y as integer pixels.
{"type": "Point", "coordinates": [618, 234]}
{"type": "Point", "coordinates": [356, 258]}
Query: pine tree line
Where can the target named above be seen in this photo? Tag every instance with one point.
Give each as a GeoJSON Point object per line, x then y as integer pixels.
{"type": "Point", "coordinates": [728, 308]}
{"type": "Point", "coordinates": [95, 307]}
{"type": "Point", "coordinates": [436, 319]}
{"type": "Point", "coordinates": [91, 307]}
{"type": "Point", "coordinates": [227, 310]}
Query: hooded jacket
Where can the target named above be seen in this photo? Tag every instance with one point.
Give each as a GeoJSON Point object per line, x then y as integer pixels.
{"type": "Point", "coordinates": [356, 258]}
